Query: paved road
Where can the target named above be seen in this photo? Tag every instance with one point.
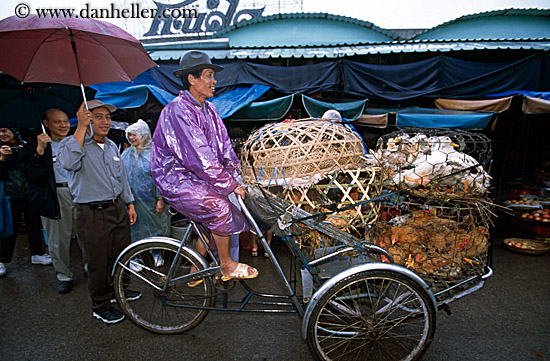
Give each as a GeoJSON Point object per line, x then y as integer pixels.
{"type": "Point", "coordinates": [508, 319]}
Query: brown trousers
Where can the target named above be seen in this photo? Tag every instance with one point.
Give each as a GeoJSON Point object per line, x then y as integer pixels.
{"type": "Point", "coordinates": [105, 233]}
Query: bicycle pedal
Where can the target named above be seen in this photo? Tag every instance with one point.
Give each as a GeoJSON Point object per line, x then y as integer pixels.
{"type": "Point", "coordinates": [223, 285]}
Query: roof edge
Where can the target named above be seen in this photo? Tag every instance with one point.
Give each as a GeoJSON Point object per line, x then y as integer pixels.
{"type": "Point", "coordinates": [502, 12]}
{"type": "Point", "coordinates": [282, 16]}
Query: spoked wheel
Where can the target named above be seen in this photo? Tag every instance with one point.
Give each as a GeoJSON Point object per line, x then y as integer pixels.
{"type": "Point", "coordinates": [169, 311]}
{"type": "Point", "coordinates": [374, 315]}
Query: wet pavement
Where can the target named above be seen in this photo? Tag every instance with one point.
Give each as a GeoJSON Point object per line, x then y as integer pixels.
{"type": "Point", "coordinates": [508, 319]}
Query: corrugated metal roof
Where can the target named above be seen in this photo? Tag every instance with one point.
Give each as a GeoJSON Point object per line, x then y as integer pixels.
{"type": "Point", "coordinates": [303, 29]}
{"type": "Point", "coordinates": [359, 49]}
{"type": "Point", "coordinates": [505, 24]}
{"type": "Point", "coordinates": [262, 38]}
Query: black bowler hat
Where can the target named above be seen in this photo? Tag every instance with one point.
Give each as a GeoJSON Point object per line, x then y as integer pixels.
{"type": "Point", "coordinates": [193, 60]}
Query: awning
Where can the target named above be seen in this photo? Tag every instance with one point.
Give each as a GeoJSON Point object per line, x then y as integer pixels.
{"type": "Point", "coordinates": [349, 110]}
{"type": "Point", "coordinates": [373, 120]}
{"type": "Point", "coordinates": [134, 94]}
{"type": "Point", "coordinates": [437, 118]}
{"type": "Point", "coordinates": [535, 105]}
{"type": "Point", "coordinates": [270, 110]}
{"type": "Point", "coordinates": [125, 97]}
{"type": "Point", "coordinates": [490, 105]}
{"type": "Point", "coordinates": [229, 103]}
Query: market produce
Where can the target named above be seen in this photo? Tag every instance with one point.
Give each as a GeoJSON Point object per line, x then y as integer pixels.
{"type": "Point", "coordinates": [523, 202]}
{"type": "Point", "coordinates": [520, 244]}
{"type": "Point", "coordinates": [542, 215]}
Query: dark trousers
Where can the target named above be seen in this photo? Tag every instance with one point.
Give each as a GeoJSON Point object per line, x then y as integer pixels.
{"type": "Point", "coordinates": [33, 226]}
{"type": "Point", "coordinates": [105, 233]}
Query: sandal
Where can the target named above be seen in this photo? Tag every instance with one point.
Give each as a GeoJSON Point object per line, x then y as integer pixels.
{"type": "Point", "coordinates": [194, 283]}
{"type": "Point", "coordinates": [241, 273]}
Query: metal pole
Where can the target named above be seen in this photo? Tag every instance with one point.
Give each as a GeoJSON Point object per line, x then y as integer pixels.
{"type": "Point", "coordinates": [73, 45]}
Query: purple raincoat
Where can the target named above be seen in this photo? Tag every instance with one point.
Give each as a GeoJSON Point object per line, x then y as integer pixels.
{"type": "Point", "coordinates": [194, 165]}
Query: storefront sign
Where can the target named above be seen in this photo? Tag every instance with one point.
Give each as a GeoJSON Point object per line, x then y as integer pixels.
{"type": "Point", "coordinates": [192, 21]}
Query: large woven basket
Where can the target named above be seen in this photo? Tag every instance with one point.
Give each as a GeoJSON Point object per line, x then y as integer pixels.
{"type": "Point", "coordinates": [299, 153]}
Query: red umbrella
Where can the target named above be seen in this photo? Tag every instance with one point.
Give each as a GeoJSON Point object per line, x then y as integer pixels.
{"type": "Point", "coordinates": [73, 51]}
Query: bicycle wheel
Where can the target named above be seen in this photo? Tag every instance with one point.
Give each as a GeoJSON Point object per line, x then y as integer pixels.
{"type": "Point", "coordinates": [372, 315]}
{"type": "Point", "coordinates": [165, 312]}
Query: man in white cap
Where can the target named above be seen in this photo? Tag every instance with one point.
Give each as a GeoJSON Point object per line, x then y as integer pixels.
{"type": "Point", "coordinates": [101, 193]}
{"type": "Point", "coordinates": [193, 162]}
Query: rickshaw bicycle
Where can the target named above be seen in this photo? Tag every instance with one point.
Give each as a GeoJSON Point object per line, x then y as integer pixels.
{"type": "Point", "coordinates": [351, 307]}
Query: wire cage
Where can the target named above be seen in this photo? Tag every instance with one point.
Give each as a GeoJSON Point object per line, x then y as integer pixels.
{"type": "Point", "coordinates": [444, 241]}
{"type": "Point", "coordinates": [439, 163]}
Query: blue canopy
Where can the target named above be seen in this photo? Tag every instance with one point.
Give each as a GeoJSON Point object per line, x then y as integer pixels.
{"type": "Point", "coordinates": [440, 76]}
{"type": "Point", "coordinates": [269, 110]}
{"type": "Point", "coordinates": [131, 94]}
{"type": "Point", "coordinates": [527, 93]}
{"type": "Point", "coordinates": [349, 110]}
{"type": "Point", "coordinates": [294, 79]}
{"type": "Point", "coordinates": [232, 101]}
{"type": "Point", "coordinates": [439, 118]}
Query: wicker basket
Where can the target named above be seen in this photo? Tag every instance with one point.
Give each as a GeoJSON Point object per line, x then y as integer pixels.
{"type": "Point", "coordinates": [530, 246]}
{"type": "Point", "coordinates": [299, 153]}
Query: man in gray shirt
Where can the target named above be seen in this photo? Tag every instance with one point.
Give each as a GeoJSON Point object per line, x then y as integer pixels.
{"type": "Point", "coordinates": [59, 229]}
{"type": "Point", "coordinates": [101, 193]}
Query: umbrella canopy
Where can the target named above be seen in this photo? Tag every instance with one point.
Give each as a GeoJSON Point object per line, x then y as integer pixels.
{"type": "Point", "coordinates": [22, 105]}
{"type": "Point", "coordinates": [71, 51]}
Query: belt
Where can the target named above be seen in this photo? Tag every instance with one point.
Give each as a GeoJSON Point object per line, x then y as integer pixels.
{"type": "Point", "coordinates": [64, 184]}
{"type": "Point", "coordinates": [101, 204]}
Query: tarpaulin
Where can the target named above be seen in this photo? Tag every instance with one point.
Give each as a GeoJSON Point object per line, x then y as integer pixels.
{"type": "Point", "coordinates": [270, 110]}
{"type": "Point", "coordinates": [296, 79]}
{"type": "Point", "coordinates": [443, 77]}
{"type": "Point", "coordinates": [437, 77]}
{"type": "Point", "coordinates": [230, 102]}
{"type": "Point", "coordinates": [491, 105]}
{"type": "Point", "coordinates": [527, 93]}
{"type": "Point", "coordinates": [535, 105]}
{"type": "Point", "coordinates": [437, 118]}
{"type": "Point", "coordinates": [373, 120]}
{"type": "Point", "coordinates": [348, 110]}
{"type": "Point", "coordinates": [134, 94]}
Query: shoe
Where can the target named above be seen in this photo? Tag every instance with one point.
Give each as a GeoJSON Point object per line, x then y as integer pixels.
{"type": "Point", "coordinates": [266, 255]}
{"type": "Point", "coordinates": [242, 272]}
{"type": "Point", "coordinates": [64, 287]}
{"type": "Point", "coordinates": [194, 283]}
{"type": "Point", "coordinates": [159, 261]}
{"type": "Point", "coordinates": [3, 270]}
{"type": "Point", "coordinates": [44, 259]}
{"type": "Point", "coordinates": [109, 316]}
{"type": "Point", "coordinates": [130, 296]}
{"type": "Point", "coordinates": [254, 253]}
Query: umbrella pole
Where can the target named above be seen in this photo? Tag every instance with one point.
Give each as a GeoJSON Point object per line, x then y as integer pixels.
{"type": "Point", "coordinates": [84, 96]}
{"type": "Point", "coordinates": [73, 45]}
